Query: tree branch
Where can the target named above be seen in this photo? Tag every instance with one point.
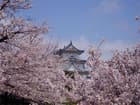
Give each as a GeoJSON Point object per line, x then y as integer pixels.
{"type": "Point", "coordinates": [3, 39]}
{"type": "Point", "coordinates": [4, 5]}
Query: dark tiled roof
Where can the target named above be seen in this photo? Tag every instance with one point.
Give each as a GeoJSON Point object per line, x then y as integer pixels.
{"type": "Point", "coordinates": [71, 48]}
{"type": "Point", "coordinates": [76, 60]}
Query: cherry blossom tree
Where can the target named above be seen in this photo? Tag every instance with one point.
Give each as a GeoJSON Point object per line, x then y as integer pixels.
{"type": "Point", "coordinates": [28, 67]}
{"type": "Point", "coordinates": [113, 82]}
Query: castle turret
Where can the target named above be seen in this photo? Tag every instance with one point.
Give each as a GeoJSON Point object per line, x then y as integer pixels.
{"type": "Point", "coordinates": [72, 63]}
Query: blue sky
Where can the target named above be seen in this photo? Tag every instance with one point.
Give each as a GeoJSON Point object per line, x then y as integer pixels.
{"type": "Point", "coordinates": [89, 21]}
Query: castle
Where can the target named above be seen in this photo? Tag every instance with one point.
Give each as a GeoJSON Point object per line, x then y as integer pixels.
{"type": "Point", "coordinates": [73, 63]}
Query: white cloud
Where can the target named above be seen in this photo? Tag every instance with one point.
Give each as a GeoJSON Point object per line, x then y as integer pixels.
{"type": "Point", "coordinates": [107, 7]}
{"type": "Point", "coordinates": [107, 47]}
{"type": "Point", "coordinates": [117, 44]}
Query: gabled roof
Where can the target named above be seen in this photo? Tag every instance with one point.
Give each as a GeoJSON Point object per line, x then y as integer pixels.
{"type": "Point", "coordinates": [71, 48]}
{"type": "Point", "coordinates": [76, 60]}
{"type": "Point", "coordinates": [74, 68]}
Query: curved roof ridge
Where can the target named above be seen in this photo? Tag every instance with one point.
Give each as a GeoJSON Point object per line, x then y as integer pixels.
{"type": "Point", "coordinates": [71, 47]}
